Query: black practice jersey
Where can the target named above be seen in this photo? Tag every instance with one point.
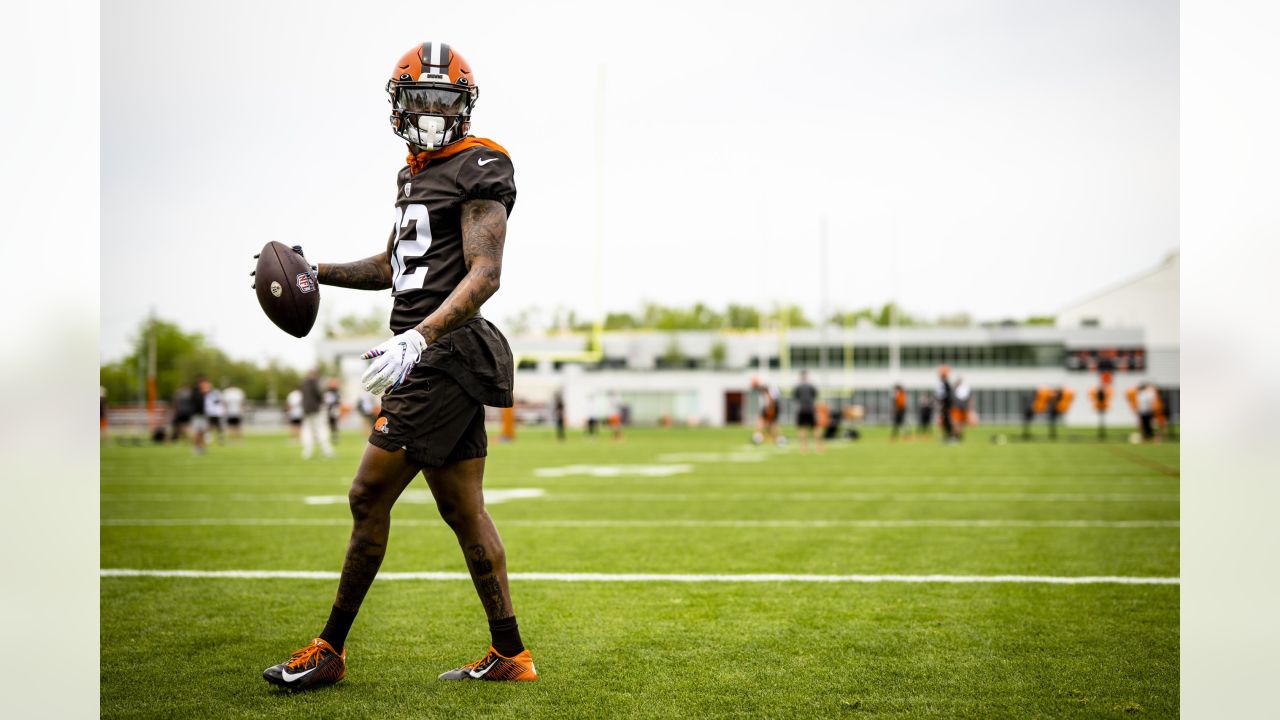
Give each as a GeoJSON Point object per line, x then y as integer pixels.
{"type": "Point", "coordinates": [426, 242]}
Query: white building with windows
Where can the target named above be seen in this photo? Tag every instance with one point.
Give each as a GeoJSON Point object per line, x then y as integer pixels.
{"type": "Point", "coordinates": [1149, 302]}
{"type": "Point", "coordinates": [704, 377]}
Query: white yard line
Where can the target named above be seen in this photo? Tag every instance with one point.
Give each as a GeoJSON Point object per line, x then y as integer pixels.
{"type": "Point", "coordinates": [421, 522]}
{"type": "Point", "coordinates": [846, 523]}
{"type": "Point", "coordinates": [613, 471]}
{"type": "Point", "coordinates": [654, 577]}
{"type": "Point", "coordinates": [498, 495]}
{"type": "Point", "coordinates": [783, 481]}
{"type": "Point", "coordinates": [492, 496]}
{"type": "Point", "coordinates": [606, 496]}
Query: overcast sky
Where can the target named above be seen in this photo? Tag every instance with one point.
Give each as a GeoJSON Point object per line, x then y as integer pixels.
{"type": "Point", "coordinates": [1000, 157]}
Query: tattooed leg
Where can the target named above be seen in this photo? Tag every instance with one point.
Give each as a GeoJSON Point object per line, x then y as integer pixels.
{"type": "Point", "coordinates": [458, 494]}
{"type": "Point", "coordinates": [381, 478]}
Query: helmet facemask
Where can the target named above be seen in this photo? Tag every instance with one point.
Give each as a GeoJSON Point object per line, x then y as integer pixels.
{"type": "Point", "coordinates": [430, 114]}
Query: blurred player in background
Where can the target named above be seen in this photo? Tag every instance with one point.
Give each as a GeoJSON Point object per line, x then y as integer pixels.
{"type": "Point", "coordinates": [899, 412]}
{"type": "Point", "coordinates": [180, 410]}
{"type": "Point", "coordinates": [443, 365]}
{"type": "Point", "coordinates": [854, 413]}
{"type": "Point", "coordinates": [1147, 402]}
{"type": "Point", "coordinates": [830, 419]}
{"type": "Point", "coordinates": [806, 397]}
{"type": "Point", "coordinates": [1034, 404]}
{"type": "Point", "coordinates": [595, 412]}
{"type": "Point", "coordinates": [102, 413]}
{"type": "Point", "coordinates": [1055, 402]}
{"type": "Point", "coordinates": [924, 409]}
{"type": "Point", "coordinates": [315, 419]}
{"type": "Point", "coordinates": [767, 425]}
{"type": "Point", "coordinates": [961, 409]}
{"type": "Point", "coordinates": [557, 412]}
{"type": "Point", "coordinates": [945, 400]}
{"type": "Point", "coordinates": [1162, 414]}
{"type": "Point", "coordinates": [616, 412]}
{"type": "Point", "coordinates": [233, 400]}
{"type": "Point", "coordinates": [293, 412]}
{"type": "Point", "coordinates": [333, 408]}
{"type": "Point", "coordinates": [367, 406]}
{"type": "Point", "coordinates": [214, 410]}
{"type": "Point", "coordinates": [199, 420]}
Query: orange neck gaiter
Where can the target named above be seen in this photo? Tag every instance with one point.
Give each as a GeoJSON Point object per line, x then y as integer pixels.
{"type": "Point", "coordinates": [418, 162]}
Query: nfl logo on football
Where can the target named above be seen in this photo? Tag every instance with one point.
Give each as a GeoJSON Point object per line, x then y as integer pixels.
{"type": "Point", "coordinates": [306, 283]}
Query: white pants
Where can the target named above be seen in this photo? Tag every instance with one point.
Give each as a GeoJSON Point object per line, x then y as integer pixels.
{"type": "Point", "coordinates": [315, 428]}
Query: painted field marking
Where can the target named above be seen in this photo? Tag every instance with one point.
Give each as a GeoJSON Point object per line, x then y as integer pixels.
{"type": "Point", "coordinates": [150, 497]}
{"type": "Point", "coordinates": [787, 481]}
{"type": "Point", "coordinates": [714, 471]}
{"type": "Point", "coordinates": [713, 457]}
{"type": "Point", "coordinates": [867, 497]}
{"type": "Point", "coordinates": [780, 524]}
{"type": "Point", "coordinates": [492, 496]}
{"type": "Point", "coordinates": [653, 577]}
{"type": "Point", "coordinates": [1126, 524]}
{"type": "Point", "coordinates": [1145, 461]}
{"type": "Point", "coordinates": [609, 471]}
{"type": "Point", "coordinates": [499, 495]}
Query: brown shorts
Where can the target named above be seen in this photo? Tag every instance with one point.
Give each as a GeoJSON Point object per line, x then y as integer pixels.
{"type": "Point", "coordinates": [433, 419]}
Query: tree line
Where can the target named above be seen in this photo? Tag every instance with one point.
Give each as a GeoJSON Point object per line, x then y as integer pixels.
{"type": "Point", "coordinates": [699, 316]}
{"type": "Point", "coordinates": [180, 356]}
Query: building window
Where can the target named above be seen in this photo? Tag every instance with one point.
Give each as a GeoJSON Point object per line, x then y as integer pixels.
{"type": "Point", "coordinates": [805, 357]}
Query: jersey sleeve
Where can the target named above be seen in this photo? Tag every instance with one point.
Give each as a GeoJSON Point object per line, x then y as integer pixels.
{"type": "Point", "coordinates": [488, 175]}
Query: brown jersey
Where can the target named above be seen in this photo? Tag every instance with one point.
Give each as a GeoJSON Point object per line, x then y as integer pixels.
{"type": "Point", "coordinates": [425, 246]}
{"type": "Point", "coordinates": [427, 263]}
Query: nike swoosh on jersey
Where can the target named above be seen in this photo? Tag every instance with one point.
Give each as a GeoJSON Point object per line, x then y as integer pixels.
{"type": "Point", "coordinates": [484, 161]}
{"type": "Point", "coordinates": [284, 673]}
{"type": "Point", "coordinates": [482, 673]}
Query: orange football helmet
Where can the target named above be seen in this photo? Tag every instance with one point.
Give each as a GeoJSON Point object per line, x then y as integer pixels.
{"type": "Point", "coordinates": [432, 93]}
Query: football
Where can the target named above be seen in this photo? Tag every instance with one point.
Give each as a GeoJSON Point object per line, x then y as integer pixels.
{"type": "Point", "coordinates": [287, 291]}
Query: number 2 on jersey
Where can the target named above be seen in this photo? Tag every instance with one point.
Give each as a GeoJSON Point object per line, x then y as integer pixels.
{"type": "Point", "coordinates": [407, 277]}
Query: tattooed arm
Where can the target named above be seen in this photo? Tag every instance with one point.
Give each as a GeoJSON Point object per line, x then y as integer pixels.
{"type": "Point", "coordinates": [484, 230]}
{"type": "Point", "coordinates": [371, 273]}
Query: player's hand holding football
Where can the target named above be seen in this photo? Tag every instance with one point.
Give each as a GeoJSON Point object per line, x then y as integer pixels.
{"type": "Point", "coordinates": [392, 361]}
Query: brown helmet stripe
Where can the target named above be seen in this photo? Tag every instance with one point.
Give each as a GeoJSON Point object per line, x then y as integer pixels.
{"type": "Point", "coordinates": [436, 57]}
{"type": "Point", "coordinates": [446, 56]}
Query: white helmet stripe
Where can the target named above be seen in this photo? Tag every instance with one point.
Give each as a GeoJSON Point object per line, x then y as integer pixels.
{"type": "Point", "coordinates": [435, 54]}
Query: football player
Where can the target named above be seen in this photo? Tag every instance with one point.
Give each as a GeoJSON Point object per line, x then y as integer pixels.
{"type": "Point", "coordinates": [767, 425]}
{"type": "Point", "coordinates": [806, 397]}
{"type": "Point", "coordinates": [899, 412]}
{"type": "Point", "coordinates": [443, 365]}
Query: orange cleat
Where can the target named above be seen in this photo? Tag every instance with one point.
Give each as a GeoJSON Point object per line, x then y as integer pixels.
{"type": "Point", "coordinates": [315, 665]}
{"type": "Point", "coordinates": [496, 668]}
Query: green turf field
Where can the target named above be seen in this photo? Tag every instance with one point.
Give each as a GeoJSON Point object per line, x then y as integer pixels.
{"type": "Point", "coordinates": [677, 502]}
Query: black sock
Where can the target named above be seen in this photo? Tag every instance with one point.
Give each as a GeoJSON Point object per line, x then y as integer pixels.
{"type": "Point", "coordinates": [506, 636]}
{"type": "Point", "coordinates": [335, 631]}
